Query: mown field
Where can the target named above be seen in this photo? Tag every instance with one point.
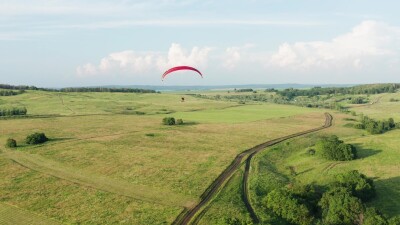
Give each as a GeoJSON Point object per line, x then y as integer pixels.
{"type": "Point", "coordinates": [109, 158]}
{"type": "Point", "coordinates": [289, 163]}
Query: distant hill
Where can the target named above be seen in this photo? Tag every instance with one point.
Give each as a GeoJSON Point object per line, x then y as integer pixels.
{"type": "Point", "coordinates": [221, 87]}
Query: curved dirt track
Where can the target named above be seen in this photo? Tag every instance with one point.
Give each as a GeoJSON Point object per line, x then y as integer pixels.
{"type": "Point", "coordinates": [246, 198]}
{"type": "Point", "coordinates": [188, 214]}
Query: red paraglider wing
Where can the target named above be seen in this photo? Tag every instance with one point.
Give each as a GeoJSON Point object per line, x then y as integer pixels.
{"type": "Point", "coordinates": [173, 69]}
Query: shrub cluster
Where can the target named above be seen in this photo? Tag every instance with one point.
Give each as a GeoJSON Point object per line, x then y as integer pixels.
{"type": "Point", "coordinates": [340, 202]}
{"type": "Point", "coordinates": [12, 111]}
{"type": "Point", "coordinates": [334, 149]}
{"type": "Point", "coordinates": [10, 93]}
{"type": "Point", "coordinates": [171, 121]}
{"type": "Point", "coordinates": [376, 126]}
{"type": "Point", "coordinates": [358, 100]}
{"type": "Point", "coordinates": [36, 138]}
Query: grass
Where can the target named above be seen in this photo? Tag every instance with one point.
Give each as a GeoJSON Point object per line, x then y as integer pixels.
{"type": "Point", "coordinates": [71, 203]}
{"type": "Point", "coordinates": [101, 166]}
{"type": "Point", "coordinates": [84, 178]}
{"type": "Point", "coordinates": [10, 215]}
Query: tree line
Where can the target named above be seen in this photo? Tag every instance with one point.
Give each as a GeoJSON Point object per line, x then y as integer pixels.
{"type": "Point", "coordinates": [103, 89]}
{"type": "Point", "coordinates": [290, 93]}
{"type": "Point", "coordinates": [77, 89]}
{"type": "Point", "coordinates": [244, 90]}
{"type": "Point", "coordinates": [24, 87]}
{"type": "Point", "coordinates": [14, 111]}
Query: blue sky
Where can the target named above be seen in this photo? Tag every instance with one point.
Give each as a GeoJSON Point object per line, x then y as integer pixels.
{"type": "Point", "coordinates": [56, 43]}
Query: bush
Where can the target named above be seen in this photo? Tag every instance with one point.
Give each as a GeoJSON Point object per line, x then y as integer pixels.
{"type": "Point", "coordinates": [360, 185]}
{"type": "Point", "coordinates": [36, 138]}
{"type": "Point", "coordinates": [169, 121]}
{"type": "Point", "coordinates": [334, 149]}
{"type": "Point", "coordinates": [284, 204]}
{"type": "Point", "coordinates": [179, 122]}
{"type": "Point", "coordinates": [376, 126]}
{"type": "Point", "coordinates": [11, 143]}
{"type": "Point", "coordinates": [374, 217]}
{"type": "Point", "coordinates": [394, 220]}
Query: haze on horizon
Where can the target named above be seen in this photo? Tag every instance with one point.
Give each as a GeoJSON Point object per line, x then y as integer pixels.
{"type": "Point", "coordinates": [124, 42]}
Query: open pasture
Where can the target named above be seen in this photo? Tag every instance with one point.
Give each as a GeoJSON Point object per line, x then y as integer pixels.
{"type": "Point", "coordinates": [101, 157]}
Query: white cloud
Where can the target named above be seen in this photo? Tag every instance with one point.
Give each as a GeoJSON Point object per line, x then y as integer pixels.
{"type": "Point", "coordinates": [233, 55]}
{"type": "Point", "coordinates": [177, 55]}
{"type": "Point", "coordinates": [131, 62]}
{"type": "Point", "coordinates": [87, 69]}
{"type": "Point", "coordinates": [367, 42]}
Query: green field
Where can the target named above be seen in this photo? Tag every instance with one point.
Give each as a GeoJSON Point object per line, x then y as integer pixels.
{"type": "Point", "coordinates": [101, 166]}
{"type": "Point", "coordinates": [110, 159]}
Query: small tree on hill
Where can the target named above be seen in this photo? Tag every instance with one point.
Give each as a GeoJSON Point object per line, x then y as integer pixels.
{"type": "Point", "coordinates": [36, 138]}
{"type": "Point", "coordinates": [11, 143]}
{"type": "Point", "coordinates": [179, 122]}
{"type": "Point", "coordinates": [334, 149]}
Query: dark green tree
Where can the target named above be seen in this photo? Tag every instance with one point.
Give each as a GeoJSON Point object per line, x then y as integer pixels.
{"type": "Point", "coordinates": [11, 143]}
{"type": "Point", "coordinates": [284, 203]}
{"type": "Point", "coordinates": [340, 207]}
{"type": "Point", "coordinates": [169, 121]}
{"type": "Point", "coordinates": [36, 138]}
{"type": "Point", "coordinates": [334, 149]}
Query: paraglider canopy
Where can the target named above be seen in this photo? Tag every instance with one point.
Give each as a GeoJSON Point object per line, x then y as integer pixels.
{"type": "Point", "coordinates": [177, 68]}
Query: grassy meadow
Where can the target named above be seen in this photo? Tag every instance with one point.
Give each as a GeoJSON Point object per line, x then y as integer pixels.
{"type": "Point", "coordinates": [109, 158]}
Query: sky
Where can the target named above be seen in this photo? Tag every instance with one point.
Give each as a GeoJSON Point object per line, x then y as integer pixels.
{"type": "Point", "coordinates": [63, 43]}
